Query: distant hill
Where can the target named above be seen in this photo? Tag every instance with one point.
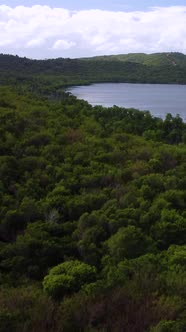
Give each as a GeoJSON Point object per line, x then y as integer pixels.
{"type": "Point", "coordinates": [131, 68]}
{"type": "Point", "coordinates": [155, 59]}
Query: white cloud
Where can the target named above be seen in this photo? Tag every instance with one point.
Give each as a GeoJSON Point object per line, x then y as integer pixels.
{"type": "Point", "coordinates": [41, 31]}
{"type": "Point", "coordinates": [63, 44]}
{"type": "Point", "coordinates": [35, 43]}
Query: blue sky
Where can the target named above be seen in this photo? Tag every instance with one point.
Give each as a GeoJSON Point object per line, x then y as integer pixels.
{"type": "Point", "coordinates": [114, 5]}
{"type": "Point", "coordinates": [79, 28]}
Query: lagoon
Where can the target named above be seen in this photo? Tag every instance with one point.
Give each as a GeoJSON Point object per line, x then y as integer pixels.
{"type": "Point", "coordinates": [159, 99]}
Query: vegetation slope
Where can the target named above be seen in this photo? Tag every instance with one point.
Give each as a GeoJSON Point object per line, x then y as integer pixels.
{"type": "Point", "coordinates": [154, 59]}
{"type": "Point", "coordinates": [92, 217]}
{"type": "Point", "coordinates": [135, 68]}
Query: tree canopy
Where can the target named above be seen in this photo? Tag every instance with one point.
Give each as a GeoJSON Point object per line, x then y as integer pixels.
{"type": "Point", "coordinates": [92, 217]}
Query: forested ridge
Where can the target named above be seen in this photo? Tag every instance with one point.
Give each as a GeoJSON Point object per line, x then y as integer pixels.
{"type": "Point", "coordinates": [92, 217]}
{"type": "Point", "coordinates": [131, 68]}
{"type": "Point", "coordinates": [154, 59]}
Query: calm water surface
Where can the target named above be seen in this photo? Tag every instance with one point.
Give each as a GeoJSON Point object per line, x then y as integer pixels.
{"type": "Point", "coordinates": [159, 99]}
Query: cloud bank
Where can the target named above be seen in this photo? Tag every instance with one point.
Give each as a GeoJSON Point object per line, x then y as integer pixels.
{"type": "Point", "coordinates": [44, 32]}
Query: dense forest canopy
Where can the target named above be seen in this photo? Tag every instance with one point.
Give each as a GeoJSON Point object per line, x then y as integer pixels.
{"type": "Point", "coordinates": [92, 217]}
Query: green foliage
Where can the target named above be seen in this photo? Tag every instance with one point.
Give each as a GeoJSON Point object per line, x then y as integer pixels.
{"type": "Point", "coordinates": [169, 326]}
{"type": "Point", "coordinates": [67, 278]}
{"type": "Point", "coordinates": [128, 242]}
{"type": "Point", "coordinates": [92, 203]}
{"type": "Point", "coordinates": [59, 285]}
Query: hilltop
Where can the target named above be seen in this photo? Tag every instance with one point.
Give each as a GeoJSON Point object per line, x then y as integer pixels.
{"type": "Point", "coordinates": [155, 59]}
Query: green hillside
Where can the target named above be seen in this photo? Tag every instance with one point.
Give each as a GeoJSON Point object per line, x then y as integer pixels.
{"type": "Point", "coordinates": [92, 217]}
{"type": "Point", "coordinates": [92, 203]}
{"type": "Point", "coordinates": [156, 59]}
{"type": "Point", "coordinates": [134, 68]}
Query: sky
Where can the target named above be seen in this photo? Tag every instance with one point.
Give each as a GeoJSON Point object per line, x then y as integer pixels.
{"type": "Point", "coordinates": [60, 28]}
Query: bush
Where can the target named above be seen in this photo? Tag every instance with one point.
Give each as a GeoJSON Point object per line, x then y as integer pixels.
{"type": "Point", "coordinates": [169, 326]}
{"type": "Point", "coordinates": [67, 278]}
